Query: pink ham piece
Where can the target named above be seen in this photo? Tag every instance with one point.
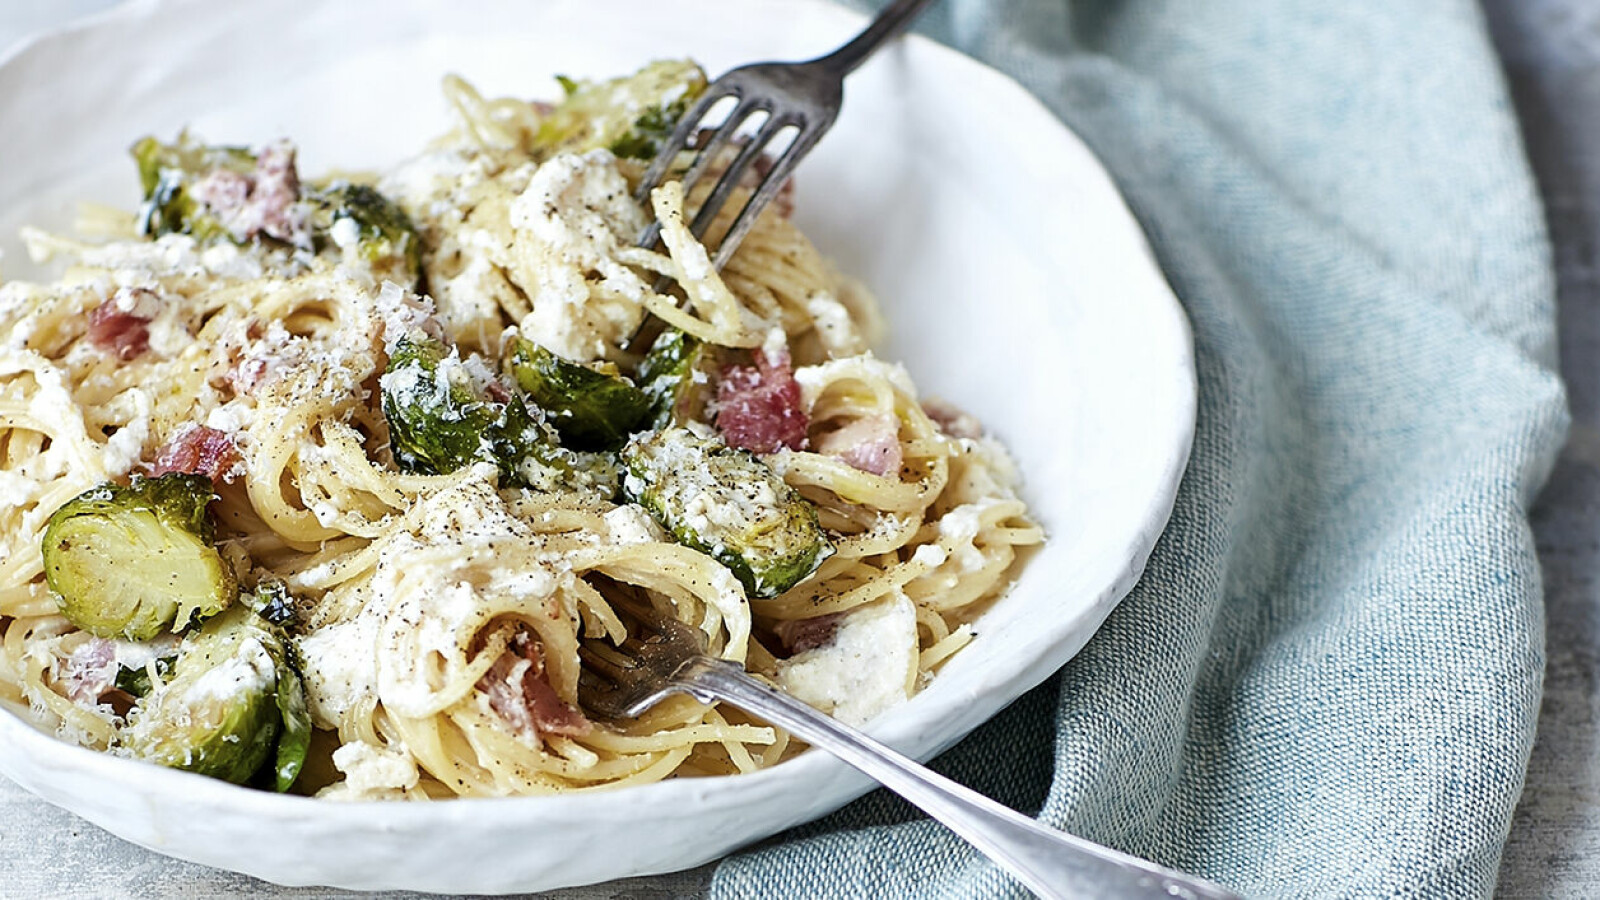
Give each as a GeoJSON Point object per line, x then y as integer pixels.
{"type": "Point", "coordinates": [91, 671]}
{"type": "Point", "coordinates": [263, 202]}
{"type": "Point", "coordinates": [758, 407]}
{"type": "Point", "coordinates": [800, 635]}
{"type": "Point", "coordinates": [199, 450]}
{"type": "Point", "coordinates": [520, 694]}
{"type": "Point", "coordinates": [952, 419]}
{"type": "Point", "coordinates": [121, 325]}
{"type": "Point", "coordinates": [871, 444]}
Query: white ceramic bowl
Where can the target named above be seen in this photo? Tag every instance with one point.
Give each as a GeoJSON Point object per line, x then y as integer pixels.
{"type": "Point", "coordinates": [1015, 281]}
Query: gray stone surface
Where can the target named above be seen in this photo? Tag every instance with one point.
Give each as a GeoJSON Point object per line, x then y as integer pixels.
{"type": "Point", "coordinates": [1551, 50]}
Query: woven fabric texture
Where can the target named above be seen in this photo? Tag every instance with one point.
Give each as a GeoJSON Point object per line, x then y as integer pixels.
{"type": "Point", "coordinates": [1326, 683]}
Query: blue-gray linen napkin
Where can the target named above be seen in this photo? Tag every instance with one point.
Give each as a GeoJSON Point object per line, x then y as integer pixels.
{"type": "Point", "coordinates": [1327, 681]}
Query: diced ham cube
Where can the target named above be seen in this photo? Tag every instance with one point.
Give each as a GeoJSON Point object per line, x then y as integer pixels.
{"type": "Point", "coordinates": [199, 450]}
{"type": "Point", "coordinates": [263, 202]}
{"type": "Point", "coordinates": [224, 192]}
{"type": "Point", "coordinates": [871, 444]}
{"type": "Point", "coordinates": [248, 375]}
{"type": "Point", "coordinates": [121, 325]}
{"type": "Point", "coordinates": [519, 693]}
{"type": "Point", "coordinates": [91, 671]}
{"type": "Point", "coordinates": [800, 635]}
{"type": "Point", "coordinates": [758, 407]}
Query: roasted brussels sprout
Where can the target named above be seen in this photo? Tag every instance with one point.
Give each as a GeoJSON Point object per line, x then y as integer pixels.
{"type": "Point", "coordinates": [630, 116]}
{"type": "Point", "coordinates": [355, 216]}
{"type": "Point", "coordinates": [592, 409]}
{"type": "Point", "coordinates": [294, 741]}
{"type": "Point", "coordinates": [676, 378]}
{"type": "Point", "coordinates": [726, 503]}
{"type": "Point", "coordinates": [272, 601]}
{"type": "Point", "coordinates": [238, 195]}
{"type": "Point", "coordinates": [167, 170]}
{"type": "Point", "coordinates": [233, 702]}
{"type": "Point", "coordinates": [442, 416]}
{"type": "Point", "coordinates": [134, 561]}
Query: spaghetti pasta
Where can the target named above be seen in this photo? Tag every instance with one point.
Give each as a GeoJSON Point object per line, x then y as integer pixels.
{"type": "Point", "coordinates": [439, 610]}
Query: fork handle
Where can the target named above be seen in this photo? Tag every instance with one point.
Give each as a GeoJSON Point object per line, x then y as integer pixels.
{"type": "Point", "coordinates": [1053, 864]}
{"type": "Point", "coordinates": [889, 23]}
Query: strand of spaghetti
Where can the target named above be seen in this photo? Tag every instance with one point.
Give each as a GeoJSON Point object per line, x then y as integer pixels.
{"type": "Point", "coordinates": [724, 321]}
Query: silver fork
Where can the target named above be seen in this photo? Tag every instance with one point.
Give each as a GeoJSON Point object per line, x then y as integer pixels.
{"type": "Point", "coordinates": [663, 656]}
{"type": "Point", "coordinates": [804, 96]}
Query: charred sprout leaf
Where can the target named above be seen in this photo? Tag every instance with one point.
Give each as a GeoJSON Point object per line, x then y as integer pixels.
{"type": "Point", "coordinates": [294, 742]}
{"type": "Point", "coordinates": [727, 504]}
{"type": "Point", "coordinates": [676, 378]}
{"type": "Point", "coordinates": [442, 416]}
{"type": "Point", "coordinates": [650, 131]}
{"type": "Point", "coordinates": [592, 409]}
{"type": "Point", "coordinates": [166, 171]}
{"type": "Point", "coordinates": [356, 217]}
{"type": "Point", "coordinates": [134, 561]}
{"type": "Point", "coordinates": [272, 601]}
{"type": "Point", "coordinates": [630, 116]}
{"type": "Point", "coordinates": [219, 714]}
{"type": "Point", "coordinates": [135, 680]}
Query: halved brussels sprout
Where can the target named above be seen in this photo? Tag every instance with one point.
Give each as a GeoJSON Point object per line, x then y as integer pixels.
{"type": "Point", "coordinates": [726, 504]}
{"type": "Point", "coordinates": [294, 741]}
{"type": "Point", "coordinates": [355, 215]}
{"type": "Point", "coordinates": [630, 116]}
{"type": "Point", "coordinates": [676, 378]}
{"type": "Point", "coordinates": [233, 702]}
{"type": "Point", "coordinates": [134, 561]}
{"type": "Point", "coordinates": [440, 414]}
{"type": "Point", "coordinates": [592, 409]}
{"type": "Point", "coordinates": [165, 173]}
{"type": "Point", "coordinates": [442, 417]}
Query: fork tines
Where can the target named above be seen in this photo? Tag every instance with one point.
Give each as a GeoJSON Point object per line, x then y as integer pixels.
{"type": "Point", "coordinates": [759, 90]}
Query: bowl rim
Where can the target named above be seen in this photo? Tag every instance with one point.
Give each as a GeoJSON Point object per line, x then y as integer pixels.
{"type": "Point", "coordinates": [56, 755]}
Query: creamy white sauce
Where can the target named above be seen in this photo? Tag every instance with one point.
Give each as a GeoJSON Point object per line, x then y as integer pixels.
{"type": "Point", "coordinates": [340, 668]}
{"type": "Point", "coordinates": [578, 215]}
{"type": "Point", "coordinates": [835, 328]}
{"type": "Point", "coordinates": [250, 669]}
{"type": "Point", "coordinates": [868, 666]}
{"type": "Point", "coordinates": [371, 772]}
{"type": "Point", "coordinates": [631, 524]}
{"type": "Point", "coordinates": [125, 449]}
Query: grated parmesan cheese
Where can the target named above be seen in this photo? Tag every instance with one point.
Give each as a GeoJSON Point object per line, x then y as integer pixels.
{"type": "Point", "coordinates": [813, 380]}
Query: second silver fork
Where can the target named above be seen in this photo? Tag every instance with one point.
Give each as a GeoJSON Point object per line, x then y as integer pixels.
{"type": "Point", "coordinates": [663, 657]}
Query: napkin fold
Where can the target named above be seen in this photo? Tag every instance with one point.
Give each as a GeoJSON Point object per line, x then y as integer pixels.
{"type": "Point", "coordinates": [1327, 681]}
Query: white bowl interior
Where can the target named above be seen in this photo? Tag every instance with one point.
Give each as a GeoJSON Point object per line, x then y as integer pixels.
{"type": "Point", "coordinates": [1016, 284]}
